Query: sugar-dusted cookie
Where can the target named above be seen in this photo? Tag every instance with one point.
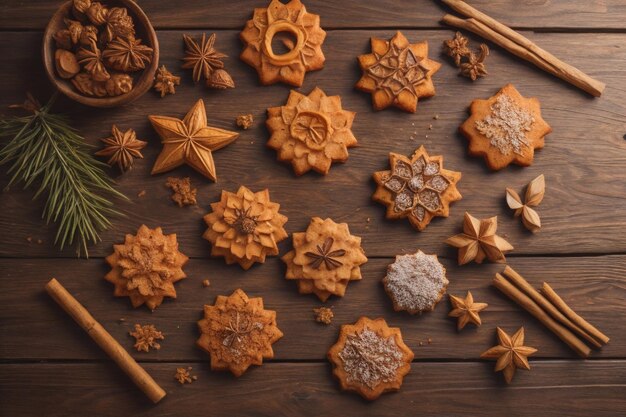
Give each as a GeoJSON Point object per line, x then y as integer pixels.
{"type": "Point", "coordinates": [238, 332]}
{"type": "Point", "coordinates": [370, 358]}
{"type": "Point", "coordinates": [418, 188]}
{"type": "Point", "coordinates": [245, 227]}
{"type": "Point", "coordinates": [324, 258]}
{"type": "Point", "coordinates": [146, 266]}
{"type": "Point", "coordinates": [505, 129]}
{"type": "Point", "coordinates": [305, 51]}
{"type": "Point", "coordinates": [311, 131]}
{"type": "Point", "coordinates": [415, 282]}
{"type": "Point", "coordinates": [397, 73]}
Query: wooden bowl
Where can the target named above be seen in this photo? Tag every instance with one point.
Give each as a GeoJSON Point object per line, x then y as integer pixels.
{"type": "Point", "coordinates": [142, 81]}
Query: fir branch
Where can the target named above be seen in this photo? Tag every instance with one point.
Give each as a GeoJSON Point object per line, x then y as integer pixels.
{"type": "Point", "coordinates": [43, 148]}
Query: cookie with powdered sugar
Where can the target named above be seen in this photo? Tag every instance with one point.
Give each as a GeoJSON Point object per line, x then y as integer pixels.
{"type": "Point", "coordinates": [415, 282]}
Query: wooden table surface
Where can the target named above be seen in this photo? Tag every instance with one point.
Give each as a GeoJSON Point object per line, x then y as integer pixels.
{"type": "Point", "coordinates": [49, 367]}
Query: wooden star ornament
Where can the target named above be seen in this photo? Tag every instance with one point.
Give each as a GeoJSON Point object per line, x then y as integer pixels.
{"type": "Point", "coordinates": [191, 141]}
{"type": "Point", "coordinates": [479, 241]}
{"type": "Point", "coordinates": [466, 310]}
{"type": "Point", "coordinates": [511, 354]}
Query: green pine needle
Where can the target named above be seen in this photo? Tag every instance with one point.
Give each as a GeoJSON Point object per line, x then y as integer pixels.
{"type": "Point", "coordinates": [44, 149]}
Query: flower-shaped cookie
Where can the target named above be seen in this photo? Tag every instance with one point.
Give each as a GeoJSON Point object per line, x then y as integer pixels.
{"type": "Point", "coordinates": [311, 131]}
{"type": "Point", "coordinates": [238, 332]}
{"type": "Point", "coordinates": [245, 227]}
{"type": "Point", "coordinates": [397, 73]}
{"type": "Point", "coordinates": [325, 258]}
{"type": "Point", "coordinates": [418, 188]}
{"type": "Point", "coordinates": [305, 52]}
{"type": "Point", "coordinates": [505, 129]}
{"type": "Point", "coordinates": [370, 358]}
{"type": "Point", "coordinates": [146, 267]}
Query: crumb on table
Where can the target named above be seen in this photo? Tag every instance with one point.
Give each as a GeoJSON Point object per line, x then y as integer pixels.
{"type": "Point", "coordinates": [206, 283]}
{"type": "Point", "coordinates": [245, 121]}
{"type": "Point", "coordinates": [323, 315]}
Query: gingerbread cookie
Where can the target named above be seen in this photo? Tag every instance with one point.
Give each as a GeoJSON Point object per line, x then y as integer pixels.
{"type": "Point", "coordinates": [324, 259]}
{"type": "Point", "coordinates": [245, 227]}
{"type": "Point", "coordinates": [505, 129]}
{"type": "Point", "coordinates": [370, 358]}
{"type": "Point", "coordinates": [416, 282]}
{"type": "Point", "coordinates": [397, 73]}
{"type": "Point", "coordinates": [311, 131]}
{"type": "Point", "coordinates": [305, 52]}
{"type": "Point", "coordinates": [146, 266]}
{"type": "Point", "coordinates": [238, 332]}
{"type": "Point", "coordinates": [418, 188]}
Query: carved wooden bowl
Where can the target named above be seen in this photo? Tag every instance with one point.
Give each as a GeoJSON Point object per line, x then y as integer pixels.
{"type": "Point", "coordinates": [142, 81]}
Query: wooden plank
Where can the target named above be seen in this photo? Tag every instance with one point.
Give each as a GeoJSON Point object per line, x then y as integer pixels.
{"type": "Point", "coordinates": [551, 388]}
{"type": "Point", "coordinates": [585, 206]}
{"type": "Point", "coordinates": [32, 327]}
{"type": "Point", "coordinates": [601, 15]}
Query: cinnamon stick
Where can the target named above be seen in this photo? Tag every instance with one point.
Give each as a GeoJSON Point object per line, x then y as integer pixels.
{"type": "Point", "coordinates": [104, 339]}
{"type": "Point", "coordinates": [500, 34]}
{"type": "Point", "coordinates": [557, 301]}
{"type": "Point", "coordinates": [530, 306]}
{"type": "Point", "coordinates": [545, 304]}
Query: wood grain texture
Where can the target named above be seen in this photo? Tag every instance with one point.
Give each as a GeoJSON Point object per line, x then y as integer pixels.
{"type": "Point", "coordinates": [551, 388]}
{"type": "Point", "coordinates": [584, 209]}
{"type": "Point", "coordinates": [594, 286]}
{"type": "Point", "coordinates": [593, 14]}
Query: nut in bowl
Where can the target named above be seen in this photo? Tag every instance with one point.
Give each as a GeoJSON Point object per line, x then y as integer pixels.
{"type": "Point", "coordinates": [101, 54]}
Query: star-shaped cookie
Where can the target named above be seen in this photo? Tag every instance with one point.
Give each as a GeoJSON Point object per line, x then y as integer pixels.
{"type": "Point", "coordinates": [397, 73]}
{"type": "Point", "coordinates": [466, 310]}
{"type": "Point", "coordinates": [189, 141]}
{"type": "Point", "coordinates": [510, 353]}
{"type": "Point", "coordinates": [238, 332]}
{"type": "Point", "coordinates": [417, 188]}
{"type": "Point", "coordinates": [505, 129]}
{"type": "Point", "coordinates": [370, 358]}
{"type": "Point", "coordinates": [479, 241]}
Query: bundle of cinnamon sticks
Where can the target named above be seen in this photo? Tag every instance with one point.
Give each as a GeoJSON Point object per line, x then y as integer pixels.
{"type": "Point", "coordinates": [517, 44]}
{"type": "Point", "coordinates": [550, 309]}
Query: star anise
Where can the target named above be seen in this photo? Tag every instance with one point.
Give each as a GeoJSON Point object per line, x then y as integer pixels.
{"type": "Point", "coordinates": [91, 59]}
{"type": "Point", "coordinates": [97, 13]}
{"type": "Point", "coordinates": [127, 54]}
{"type": "Point", "coordinates": [203, 57]}
{"type": "Point", "coordinates": [237, 330]}
{"type": "Point", "coordinates": [510, 353]}
{"type": "Point", "coordinates": [457, 47]}
{"type": "Point", "coordinates": [119, 24]}
{"type": "Point", "coordinates": [466, 310]}
{"type": "Point", "coordinates": [479, 241]}
{"type": "Point", "coordinates": [325, 255]}
{"type": "Point", "coordinates": [122, 148]}
{"type": "Point", "coordinates": [244, 223]}
{"type": "Point", "coordinates": [475, 66]}
{"type": "Point", "coordinates": [165, 81]}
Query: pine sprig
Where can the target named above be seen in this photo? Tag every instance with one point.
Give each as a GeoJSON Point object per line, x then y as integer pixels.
{"type": "Point", "coordinates": [43, 148]}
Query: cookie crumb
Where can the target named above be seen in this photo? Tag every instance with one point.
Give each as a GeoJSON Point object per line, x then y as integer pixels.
{"type": "Point", "coordinates": [141, 193]}
{"type": "Point", "coordinates": [421, 343]}
{"type": "Point", "coordinates": [368, 219]}
{"type": "Point", "coordinates": [323, 315]}
{"type": "Point", "coordinates": [121, 319]}
{"type": "Point", "coordinates": [39, 241]}
{"type": "Point", "coordinates": [245, 121]}
{"type": "Point", "coordinates": [182, 193]}
{"type": "Point", "coordinates": [183, 377]}
{"type": "Point", "coordinates": [206, 283]}
{"type": "Point", "coordinates": [430, 340]}
{"type": "Point", "coordinates": [146, 337]}
{"type": "Point", "coordinates": [29, 239]}
{"type": "Point", "coordinates": [430, 127]}
{"type": "Point", "coordinates": [436, 117]}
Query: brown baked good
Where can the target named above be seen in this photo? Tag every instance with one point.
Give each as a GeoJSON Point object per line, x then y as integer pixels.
{"type": "Point", "coordinates": [397, 73]}
{"type": "Point", "coordinates": [324, 259]}
{"type": "Point", "coordinates": [238, 332]}
{"type": "Point", "coordinates": [305, 54]}
{"type": "Point", "coordinates": [415, 282]}
{"type": "Point", "coordinates": [311, 131]}
{"type": "Point", "coordinates": [505, 129]}
{"type": "Point", "coordinates": [418, 188]}
{"type": "Point", "coordinates": [370, 358]}
{"type": "Point", "coordinates": [245, 227]}
{"type": "Point", "coordinates": [146, 266]}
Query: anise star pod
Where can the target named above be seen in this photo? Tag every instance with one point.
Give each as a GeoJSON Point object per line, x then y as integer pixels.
{"type": "Point", "coordinates": [534, 195]}
{"type": "Point", "coordinates": [127, 54]}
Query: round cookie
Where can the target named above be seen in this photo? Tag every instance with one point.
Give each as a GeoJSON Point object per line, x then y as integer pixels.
{"type": "Point", "coordinates": [415, 282]}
